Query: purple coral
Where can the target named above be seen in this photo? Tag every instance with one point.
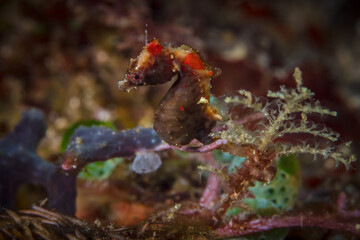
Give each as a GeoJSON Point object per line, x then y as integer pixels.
{"type": "Point", "coordinates": [19, 164]}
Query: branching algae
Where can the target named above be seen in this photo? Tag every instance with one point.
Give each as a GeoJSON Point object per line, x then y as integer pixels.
{"type": "Point", "coordinates": [264, 142]}
{"type": "Point", "coordinates": [279, 119]}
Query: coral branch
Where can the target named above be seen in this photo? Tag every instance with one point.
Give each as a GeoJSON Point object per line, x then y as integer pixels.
{"type": "Point", "coordinates": [99, 144]}
{"type": "Point", "coordinates": [212, 190]}
{"type": "Point", "coordinates": [20, 165]}
{"type": "Point", "coordinates": [346, 220]}
{"type": "Point", "coordinates": [240, 228]}
{"type": "Point", "coordinates": [194, 149]}
{"type": "Point", "coordinates": [341, 208]}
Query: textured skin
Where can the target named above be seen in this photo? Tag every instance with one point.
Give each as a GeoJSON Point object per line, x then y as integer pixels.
{"type": "Point", "coordinates": [180, 116]}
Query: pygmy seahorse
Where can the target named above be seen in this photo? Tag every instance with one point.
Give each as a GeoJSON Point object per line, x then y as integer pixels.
{"type": "Point", "coordinates": [184, 113]}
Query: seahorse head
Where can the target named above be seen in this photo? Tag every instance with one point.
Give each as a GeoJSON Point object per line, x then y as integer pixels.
{"type": "Point", "coordinates": [153, 66]}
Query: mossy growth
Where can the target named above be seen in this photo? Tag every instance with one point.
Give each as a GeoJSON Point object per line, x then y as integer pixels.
{"type": "Point", "coordinates": [227, 158]}
{"type": "Point", "coordinates": [281, 193]}
{"type": "Point", "coordinates": [278, 195]}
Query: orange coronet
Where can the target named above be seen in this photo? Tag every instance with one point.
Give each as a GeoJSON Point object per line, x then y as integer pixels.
{"type": "Point", "coordinates": [154, 47]}
{"type": "Point", "coordinates": [194, 61]}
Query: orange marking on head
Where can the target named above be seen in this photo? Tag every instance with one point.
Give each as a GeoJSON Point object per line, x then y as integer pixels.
{"type": "Point", "coordinates": [211, 73]}
{"type": "Point", "coordinates": [182, 108]}
{"type": "Point", "coordinates": [154, 47]}
{"type": "Point", "coordinates": [194, 61]}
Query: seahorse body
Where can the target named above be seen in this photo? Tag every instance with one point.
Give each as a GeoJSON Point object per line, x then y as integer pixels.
{"type": "Point", "coordinates": [184, 113]}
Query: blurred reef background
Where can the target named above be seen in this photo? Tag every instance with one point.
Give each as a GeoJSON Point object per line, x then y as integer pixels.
{"type": "Point", "coordinates": [64, 57]}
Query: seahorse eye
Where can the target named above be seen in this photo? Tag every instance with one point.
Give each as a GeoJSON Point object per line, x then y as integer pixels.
{"type": "Point", "coordinates": [136, 77]}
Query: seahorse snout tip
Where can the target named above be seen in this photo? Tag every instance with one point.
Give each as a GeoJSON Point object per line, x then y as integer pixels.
{"type": "Point", "coordinates": [124, 85]}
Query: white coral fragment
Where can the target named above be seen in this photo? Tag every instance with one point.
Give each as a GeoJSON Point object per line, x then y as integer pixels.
{"type": "Point", "coordinates": [146, 162]}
